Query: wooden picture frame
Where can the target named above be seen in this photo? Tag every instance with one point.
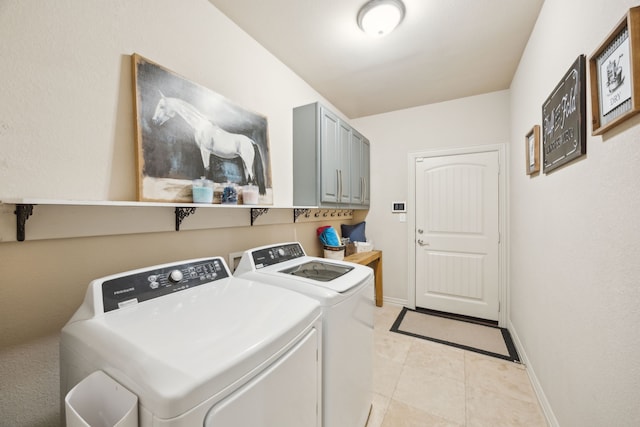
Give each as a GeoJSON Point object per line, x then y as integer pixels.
{"type": "Point", "coordinates": [532, 149]}
{"type": "Point", "coordinates": [614, 70]}
{"type": "Point", "coordinates": [185, 131]}
{"type": "Point", "coordinates": [564, 128]}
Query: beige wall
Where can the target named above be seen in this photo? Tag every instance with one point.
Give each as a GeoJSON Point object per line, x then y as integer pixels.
{"type": "Point", "coordinates": [67, 132]}
{"type": "Point", "coordinates": [477, 120]}
{"type": "Point", "coordinates": [574, 237]}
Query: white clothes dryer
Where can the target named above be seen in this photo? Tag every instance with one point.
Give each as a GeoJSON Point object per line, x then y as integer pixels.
{"type": "Point", "coordinates": [346, 293]}
{"type": "Point", "coordinates": [200, 347]}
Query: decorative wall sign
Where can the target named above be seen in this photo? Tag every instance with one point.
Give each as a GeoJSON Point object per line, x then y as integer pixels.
{"type": "Point", "coordinates": [532, 147]}
{"type": "Point", "coordinates": [563, 119]}
{"type": "Point", "coordinates": [185, 131]}
{"type": "Point", "coordinates": [615, 75]}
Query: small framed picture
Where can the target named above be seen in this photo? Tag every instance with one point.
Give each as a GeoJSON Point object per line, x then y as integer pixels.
{"type": "Point", "coordinates": [615, 87]}
{"type": "Point", "coordinates": [532, 148]}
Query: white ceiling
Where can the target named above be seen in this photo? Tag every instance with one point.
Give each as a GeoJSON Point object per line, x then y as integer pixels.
{"type": "Point", "coordinates": [444, 49]}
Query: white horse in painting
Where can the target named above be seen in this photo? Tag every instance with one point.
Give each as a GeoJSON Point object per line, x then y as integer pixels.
{"type": "Point", "coordinates": [213, 139]}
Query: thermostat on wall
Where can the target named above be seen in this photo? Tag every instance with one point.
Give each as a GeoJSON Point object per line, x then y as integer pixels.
{"type": "Point", "coordinates": [398, 207]}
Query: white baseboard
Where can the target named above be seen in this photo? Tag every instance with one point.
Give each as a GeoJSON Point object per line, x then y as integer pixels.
{"type": "Point", "coordinates": [537, 388]}
{"type": "Point", "coordinates": [395, 301]}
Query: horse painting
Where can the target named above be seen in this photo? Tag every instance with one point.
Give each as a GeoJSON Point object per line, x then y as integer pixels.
{"type": "Point", "coordinates": [212, 139]}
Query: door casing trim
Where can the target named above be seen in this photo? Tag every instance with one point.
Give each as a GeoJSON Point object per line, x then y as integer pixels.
{"type": "Point", "coordinates": [503, 269]}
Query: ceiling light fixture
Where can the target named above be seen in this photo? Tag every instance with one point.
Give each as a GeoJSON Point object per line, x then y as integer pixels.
{"type": "Point", "coordinates": [379, 17]}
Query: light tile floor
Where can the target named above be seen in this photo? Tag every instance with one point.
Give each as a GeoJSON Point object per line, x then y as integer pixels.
{"type": "Point", "coordinates": [419, 383]}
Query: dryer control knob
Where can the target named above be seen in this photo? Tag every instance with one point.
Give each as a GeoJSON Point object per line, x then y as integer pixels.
{"type": "Point", "coordinates": [281, 252]}
{"type": "Point", "coordinates": [175, 276]}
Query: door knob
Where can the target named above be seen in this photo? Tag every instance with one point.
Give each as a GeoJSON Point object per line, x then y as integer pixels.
{"type": "Point", "coordinates": [420, 231]}
{"type": "Point", "coordinates": [422, 243]}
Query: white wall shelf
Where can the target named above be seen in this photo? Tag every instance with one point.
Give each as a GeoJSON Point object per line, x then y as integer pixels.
{"type": "Point", "coordinates": [25, 208]}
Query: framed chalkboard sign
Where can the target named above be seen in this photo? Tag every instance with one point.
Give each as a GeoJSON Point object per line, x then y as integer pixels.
{"type": "Point", "coordinates": [563, 119]}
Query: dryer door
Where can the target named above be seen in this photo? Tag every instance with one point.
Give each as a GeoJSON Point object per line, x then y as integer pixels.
{"type": "Point", "coordinates": [285, 394]}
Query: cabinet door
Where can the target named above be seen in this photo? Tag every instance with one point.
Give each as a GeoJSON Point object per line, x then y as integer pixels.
{"type": "Point", "coordinates": [356, 169]}
{"type": "Point", "coordinates": [359, 169]}
{"type": "Point", "coordinates": [330, 132]}
{"type": "Point", "coordinates": [365, 171]}
{"type": "Point", "coordinates": [344, 171]}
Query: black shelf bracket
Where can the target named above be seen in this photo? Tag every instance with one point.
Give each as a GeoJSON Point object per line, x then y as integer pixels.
{"type": "Point", "coordinates": [297, 212]}
{"type": "Point", "coordinates": [256, 212]}
{"type": "Point", "coordinates": [23, 212]}
{"type": "Point", "coordinates": [181, 214]}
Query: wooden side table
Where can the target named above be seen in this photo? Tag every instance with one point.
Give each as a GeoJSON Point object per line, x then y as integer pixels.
{"type": "Point", "coordinates": [375, 258]}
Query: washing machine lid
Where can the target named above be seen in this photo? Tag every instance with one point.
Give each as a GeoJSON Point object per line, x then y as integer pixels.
{"type": "Point", "coordinates": [333, 276]}
{"type": "Point", "coordinates": [179, 350]}
{"type": "Point", "coordinates": [318, 270]}
{"type": "Point", "coordinates": [284, 263]}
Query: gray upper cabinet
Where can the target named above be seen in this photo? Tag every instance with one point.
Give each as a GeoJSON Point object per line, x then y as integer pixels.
{"type": "Point", "coordinates": [330, 160]}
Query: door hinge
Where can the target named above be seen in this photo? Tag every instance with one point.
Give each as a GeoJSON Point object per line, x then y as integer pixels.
{"type": "Point", "coordinates": [499, 307]}
{"type": "Point", "coordinates": [419, 159]}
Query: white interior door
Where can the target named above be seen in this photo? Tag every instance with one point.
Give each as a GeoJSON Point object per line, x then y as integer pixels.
{"type": "Point", "coordinates": [457, 234]}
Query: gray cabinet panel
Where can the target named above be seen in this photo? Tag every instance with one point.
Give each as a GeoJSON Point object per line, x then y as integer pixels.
{"type": "Point", "coordinates": [306, 156]}
{"type": "Point", "coordinates": [365, 171]}
{"type": "Point", "coordinates": [359, 169]}
{"type": "Point", "coordinates": [344, 164]}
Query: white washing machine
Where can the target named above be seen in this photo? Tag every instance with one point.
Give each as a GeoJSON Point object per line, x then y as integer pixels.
{"type": "Point", "coordinates": [346, 293]}
{"type": "Point", "coordinates": [200, 347]}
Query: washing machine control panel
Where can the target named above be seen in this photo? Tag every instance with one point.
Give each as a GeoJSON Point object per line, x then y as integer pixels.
{"type": "Point", "coordinates": [157, 282]}
{"type": "Point", "coordinates": [276, 254]}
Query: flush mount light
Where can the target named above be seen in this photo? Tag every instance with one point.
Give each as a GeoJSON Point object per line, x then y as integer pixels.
{"type": "Point", "coordinates": [379, 17]}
